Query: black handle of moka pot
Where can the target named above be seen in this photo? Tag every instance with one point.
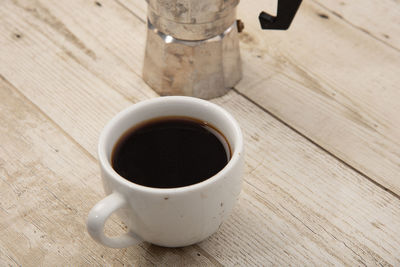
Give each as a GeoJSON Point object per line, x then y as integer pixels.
{"type": "Point", "coordinates": [286, 11]}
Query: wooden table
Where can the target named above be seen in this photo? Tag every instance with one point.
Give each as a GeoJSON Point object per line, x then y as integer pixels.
{"type": "Point", "coordinates": [319, 106]}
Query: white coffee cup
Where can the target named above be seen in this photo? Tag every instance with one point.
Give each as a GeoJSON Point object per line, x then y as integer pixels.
{"type": "Point", "coordinates": [172, 217]}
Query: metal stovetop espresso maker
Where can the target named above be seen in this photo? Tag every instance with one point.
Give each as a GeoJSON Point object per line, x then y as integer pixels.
{"type": "Point", "coordinates": [193, 46]}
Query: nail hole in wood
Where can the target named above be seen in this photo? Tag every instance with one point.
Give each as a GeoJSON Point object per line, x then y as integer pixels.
{"type": "Point", "coordinates": [324, 16]}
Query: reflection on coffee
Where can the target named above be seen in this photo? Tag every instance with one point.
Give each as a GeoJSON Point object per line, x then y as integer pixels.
{"type": "Point", "coordinates": [170, 152]}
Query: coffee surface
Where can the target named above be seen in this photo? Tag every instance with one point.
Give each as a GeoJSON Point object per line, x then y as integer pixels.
{"type": "Point", "coordinates": [170, 152]}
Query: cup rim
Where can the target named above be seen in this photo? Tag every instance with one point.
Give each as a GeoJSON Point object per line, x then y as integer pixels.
{"type": "Point", "coordinates": [106, 164]}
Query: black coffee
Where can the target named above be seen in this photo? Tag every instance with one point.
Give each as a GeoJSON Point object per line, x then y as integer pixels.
{"type": "Point", "coordinates": [170, 152]}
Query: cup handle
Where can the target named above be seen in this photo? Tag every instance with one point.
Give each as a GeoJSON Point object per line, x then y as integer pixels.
{"type": "Point", "coordinates": [97, 218]}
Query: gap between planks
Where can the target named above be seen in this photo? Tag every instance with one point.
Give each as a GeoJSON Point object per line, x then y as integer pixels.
{"type": "Point", "coordinates": [85, 151]}
{"type": "Point", "coordinates": [281, 120]}
{"type": "Point", "coordinates": [238, 93]}
{"type": "Point", "coordinates": [275, 116]}
{"type": "Point", "coordinates": [130, 11]}
{"type": "Point", "coordinates": [253, 170]}
{"type": "Point", "coordinates": [315, 143]}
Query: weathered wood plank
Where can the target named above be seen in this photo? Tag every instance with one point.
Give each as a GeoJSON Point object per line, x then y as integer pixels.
{"type": "Point", "coordinates": [299, 205]}
{"type": "Point", "coordinates": [305, 195]}
{"type": "Point", "coordinates": [327, 90]}
{"type": "Point", "coordinates": [377, 18]}
{"type": "Point", "coordinates": [72, 73]}
{"type": "Point", "coordinates": [48, 183]}
{"type": "Point", "coordinates": [333, 83]}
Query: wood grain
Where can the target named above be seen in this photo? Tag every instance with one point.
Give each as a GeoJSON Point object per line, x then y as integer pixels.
{"type": "Point", "coordinates": [377, 18]}
{"type": "Point", "coordinates": [332, 82]}
{"type": "Point", "coordinates": [64, 77]}
{"type": "Point", "coordinates": [329, 97]}
{"type": "Point", "coordinates": [48, 184]}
